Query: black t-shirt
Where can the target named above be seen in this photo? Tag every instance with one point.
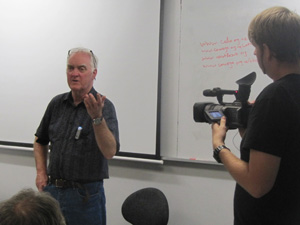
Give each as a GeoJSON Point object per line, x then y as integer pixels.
{"type": "Point", "coordinates": [274, 128]}
{"type": "Point", "coordinates": [77, 159]}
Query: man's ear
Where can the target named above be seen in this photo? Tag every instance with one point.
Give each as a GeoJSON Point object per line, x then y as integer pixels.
{"type": "Point", "coordinates": [95, 73]}
{"type": "Point", "coordinates": [267, 52]}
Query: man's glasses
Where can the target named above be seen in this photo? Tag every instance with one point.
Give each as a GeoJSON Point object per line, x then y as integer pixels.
{"type": "Point", "coordinates": [92, 54]}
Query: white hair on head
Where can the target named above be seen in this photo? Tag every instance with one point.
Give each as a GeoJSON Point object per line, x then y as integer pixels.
{"type": "Point", "coordinates": [94, 59]}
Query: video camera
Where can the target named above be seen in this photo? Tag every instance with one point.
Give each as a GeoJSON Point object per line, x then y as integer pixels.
{"type": "Point", "coordinates": [236, 112]}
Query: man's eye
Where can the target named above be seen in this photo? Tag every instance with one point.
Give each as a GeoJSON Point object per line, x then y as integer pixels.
{"type": "Point", "coordinates": [70, 68]}
{"type": "Point", "coordinates": [82, 69]}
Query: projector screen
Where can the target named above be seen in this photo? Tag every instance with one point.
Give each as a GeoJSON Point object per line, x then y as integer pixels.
{"type": "Point", "coordinates": [34, 42]}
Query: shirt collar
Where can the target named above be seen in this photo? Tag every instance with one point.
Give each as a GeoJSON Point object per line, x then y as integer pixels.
{"type": "Point", "coordinates": [68, 96]}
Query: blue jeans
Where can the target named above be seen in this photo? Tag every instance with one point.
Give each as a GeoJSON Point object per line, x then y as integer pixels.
{"type": "Point", "coordinates": [81, 206]}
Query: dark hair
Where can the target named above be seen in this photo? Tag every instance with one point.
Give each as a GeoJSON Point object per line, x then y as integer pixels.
{"type": "Point", "coordinates": [279, 29]}
{"type": "Point", "coordinates": [29, 207]}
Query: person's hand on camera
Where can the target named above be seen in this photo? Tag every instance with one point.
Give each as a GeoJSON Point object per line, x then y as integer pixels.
{"type": "Point", "coordinates": [219, 131]}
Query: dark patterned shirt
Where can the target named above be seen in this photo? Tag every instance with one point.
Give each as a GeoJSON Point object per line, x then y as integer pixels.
{"type": "Point", "coordinates": [76, 159]}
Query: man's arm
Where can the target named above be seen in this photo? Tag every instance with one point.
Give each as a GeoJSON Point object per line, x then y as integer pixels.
{"type": "Point", "coordinates": [105, 140]}
{"type": "Point", "coordinates": [104, 137]}
{"type": "Point", "coordinates": [258, 176]}
{"type": "Point", "coordinates": [40, 154]}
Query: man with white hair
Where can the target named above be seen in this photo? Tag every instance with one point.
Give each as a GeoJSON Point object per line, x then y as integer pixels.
{"type": "Point", "coordinates": [81, 129]}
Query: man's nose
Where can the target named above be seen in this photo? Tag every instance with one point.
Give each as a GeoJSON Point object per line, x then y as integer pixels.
{"type": "Point", "coordinates": [75, 73]}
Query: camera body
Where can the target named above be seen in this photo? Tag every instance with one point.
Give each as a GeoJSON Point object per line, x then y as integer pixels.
{"type": "Point", "coordinates": [236, 113]}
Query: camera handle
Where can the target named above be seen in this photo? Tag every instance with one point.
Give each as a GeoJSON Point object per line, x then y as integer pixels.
{"type": "Point", "coordinates": [219, 93]}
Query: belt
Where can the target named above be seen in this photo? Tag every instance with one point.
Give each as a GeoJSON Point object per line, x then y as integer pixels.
{"type": "Point", "coordinates": [61, 183]}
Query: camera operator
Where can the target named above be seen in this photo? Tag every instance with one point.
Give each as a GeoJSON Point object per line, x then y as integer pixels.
{"type": "Point", "coordinates": [268, 171]}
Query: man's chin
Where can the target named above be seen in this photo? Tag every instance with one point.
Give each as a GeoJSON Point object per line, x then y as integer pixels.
{"type": "Point", "coordinates": [75, 87]}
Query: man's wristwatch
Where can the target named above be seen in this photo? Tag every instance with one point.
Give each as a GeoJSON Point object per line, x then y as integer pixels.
{"type": "Point", "coordinates": [217, 152]}
{"type": "Point", "coordinates": [98, 121]}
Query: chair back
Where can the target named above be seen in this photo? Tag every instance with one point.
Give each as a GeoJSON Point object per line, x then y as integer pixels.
{"type": "Point", "coordinates": [147, 206]}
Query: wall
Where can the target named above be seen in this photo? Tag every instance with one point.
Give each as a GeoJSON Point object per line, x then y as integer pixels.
{"type": "Point", "coordinates": [198, 194]}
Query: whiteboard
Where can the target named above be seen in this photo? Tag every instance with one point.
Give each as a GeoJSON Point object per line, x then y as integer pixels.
{"type": "Point", "coordinates": [34, 42]}
{"type": "Point", "coordinates": [215, 52]}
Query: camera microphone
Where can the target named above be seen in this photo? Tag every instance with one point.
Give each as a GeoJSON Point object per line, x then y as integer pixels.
{"type": "Point", "coordinates": [218, 91]}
